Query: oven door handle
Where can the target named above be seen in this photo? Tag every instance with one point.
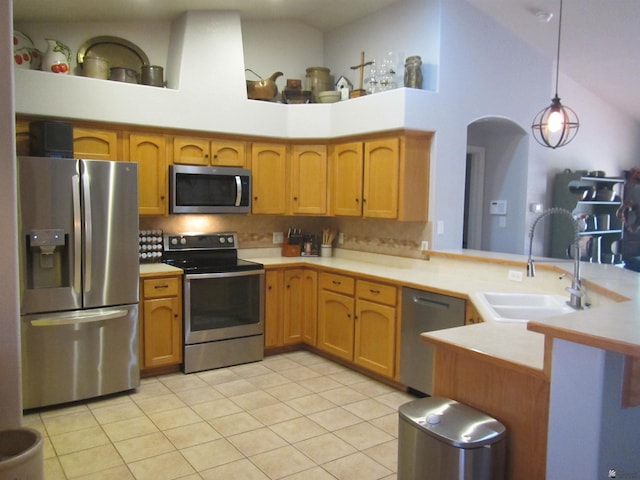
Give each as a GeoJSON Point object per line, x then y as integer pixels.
{"type": "Point", "coordinates": [204, 276]}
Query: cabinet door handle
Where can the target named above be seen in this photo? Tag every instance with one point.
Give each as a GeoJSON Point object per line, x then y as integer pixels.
{"type": "Point", "coordinates": [206, 155]}
{"type": "Point", "coordinates": [161, 286]}
{"type": "Point", "coordinates": [336, 282]}
{"type": "Point", "coordinates": [375, 292]}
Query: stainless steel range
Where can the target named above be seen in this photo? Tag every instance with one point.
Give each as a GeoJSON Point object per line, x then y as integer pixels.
{"type": "Point", "coordinates": [223, 300]}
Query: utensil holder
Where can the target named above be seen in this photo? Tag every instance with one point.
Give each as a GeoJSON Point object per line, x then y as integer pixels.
{"type": "Point", "coordinates": [326, 250]}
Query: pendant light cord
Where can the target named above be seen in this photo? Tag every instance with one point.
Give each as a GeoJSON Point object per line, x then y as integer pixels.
{"type": "Point", "coordinates": [558, 53]}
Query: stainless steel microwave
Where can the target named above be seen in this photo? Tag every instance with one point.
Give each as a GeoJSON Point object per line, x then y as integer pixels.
{"type": "Point", "coordinates": [209, 189]}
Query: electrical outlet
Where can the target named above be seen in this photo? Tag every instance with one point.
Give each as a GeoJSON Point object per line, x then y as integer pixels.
{"type": "Point", "coordinates": [424, 245]}
{"type": "Point", "coordinates": [278, 237]}
{"type": "Point", "coordinates": [515, 275]}
{"type": "Point", "coordinates": [340, 238]}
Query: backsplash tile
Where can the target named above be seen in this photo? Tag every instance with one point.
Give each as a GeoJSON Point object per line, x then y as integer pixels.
{"type": "Point", "coordinates": [388, 237]}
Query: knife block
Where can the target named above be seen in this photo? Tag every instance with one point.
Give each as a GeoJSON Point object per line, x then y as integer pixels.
{"type": "Point", "coordinates": [290, 250]}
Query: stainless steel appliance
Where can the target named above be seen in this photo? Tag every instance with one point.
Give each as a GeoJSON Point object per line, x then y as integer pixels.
{"type": "Point", "coordinates": [223, 300]}
{"type": "Point", "coordinates": [209, 189]}
{"type": "Point", "coordinates": [79, 278]}
{"type": "Point", "coordinates": [424, 312]}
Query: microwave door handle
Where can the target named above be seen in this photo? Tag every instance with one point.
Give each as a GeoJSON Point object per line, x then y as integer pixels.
{"type": "Point", "coordinates": [238, 190]}
{"type": "Point", "coordinates": [77, 233]}
{"type": "Point", "coordinates": [88, 229]}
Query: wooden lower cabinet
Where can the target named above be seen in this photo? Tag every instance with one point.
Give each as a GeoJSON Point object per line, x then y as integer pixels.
{"type": "Point", "coordinates": [290, 307]}
{"type": "Point", "coordinates": [516, 396]}
{"type": "Point", "coordinates": [336, 323]}
{"type": "Point", "coordinates": [357, 322]}
{"type": "Point", "coordinates": [273, 308]}
{"type": "Point", "coordinates": [160, 321]}
{"type": "Point", "coordinates": [375, 327]}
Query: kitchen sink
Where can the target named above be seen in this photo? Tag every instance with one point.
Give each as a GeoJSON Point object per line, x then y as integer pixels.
{"type": "Point", "coordinates": [522, 307]}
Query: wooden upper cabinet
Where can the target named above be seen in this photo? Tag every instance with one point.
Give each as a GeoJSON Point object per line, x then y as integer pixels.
{"type": "Point", "coordinates": [96, 144]}
{"type": "Point", "coordinates": [191, 150]}
{"type": "Point", "coordinates": [150, 153]}
{"type": "Point", "coordinates": [413, 189]}
{"type": "Point", "coordinates": [380, 183]}
{"type": "Point", "coordinates": [229, 153]}
{"type": "Point", "coordinates": [346, 179]}
{"type": "Point", "coordinates": [204, 151]}
{"type": "Point", "coordinates": [308, 176]}
{"type": "Point", "coordinates": [382, 178]}
{"type": "Point", "coordinates": [268, 171]}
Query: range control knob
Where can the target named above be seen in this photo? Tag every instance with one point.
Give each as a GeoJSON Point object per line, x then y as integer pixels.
{"type": "Point", "coordinates": [230, 240]}
{"type": "Point", "coordinates": [183, 241]}
{"type": "Point", "coordinates": [173, 241]}
{"type": "Point", "coordinates": [222, 239]}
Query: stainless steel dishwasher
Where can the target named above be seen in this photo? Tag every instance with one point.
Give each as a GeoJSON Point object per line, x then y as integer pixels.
{"type": "Point", "coordinates": [424, 312]}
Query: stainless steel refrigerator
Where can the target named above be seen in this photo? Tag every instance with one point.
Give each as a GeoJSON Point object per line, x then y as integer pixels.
{"type": "Point", "coordinates": [79, 278]}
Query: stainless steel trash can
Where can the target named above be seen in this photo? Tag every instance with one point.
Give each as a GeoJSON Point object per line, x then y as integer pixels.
{"type": "Point", "coordinates": [21, 454]}
{"type": "Point", "coordinates": [441, 439]}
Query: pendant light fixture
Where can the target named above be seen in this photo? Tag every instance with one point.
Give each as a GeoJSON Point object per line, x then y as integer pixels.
{"type": "Point", "coordinates": [556, 125]}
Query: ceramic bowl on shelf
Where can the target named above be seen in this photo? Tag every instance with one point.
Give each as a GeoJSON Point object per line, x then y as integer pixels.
{"type": "Point", "coordinates": [329, 96]}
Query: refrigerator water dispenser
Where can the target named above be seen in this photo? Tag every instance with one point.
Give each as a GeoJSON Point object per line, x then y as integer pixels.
{"type": "Point", "coordinates": [47, 260]}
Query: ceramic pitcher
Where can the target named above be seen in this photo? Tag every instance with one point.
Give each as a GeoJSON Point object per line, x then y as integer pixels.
{"type": "Point", "coordinates": [57, 58]}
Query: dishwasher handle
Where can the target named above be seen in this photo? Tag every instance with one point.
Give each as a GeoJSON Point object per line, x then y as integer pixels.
{"type": "Point", "coordinates": [427, 302]}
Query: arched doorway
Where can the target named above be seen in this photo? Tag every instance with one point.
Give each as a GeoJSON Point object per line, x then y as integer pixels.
{"type": "Point", "coordinates": [496, 186]}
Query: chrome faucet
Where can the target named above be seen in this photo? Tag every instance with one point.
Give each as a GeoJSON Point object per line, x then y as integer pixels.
{"type": "Point", "coordinates": [575, 290]}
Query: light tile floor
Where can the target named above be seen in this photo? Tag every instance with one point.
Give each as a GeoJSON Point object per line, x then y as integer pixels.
{"type": "Point", "coordinates": [292, 416]}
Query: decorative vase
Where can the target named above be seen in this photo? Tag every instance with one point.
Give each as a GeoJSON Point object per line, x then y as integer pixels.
{"type": "Point", "coordinates": [57, 58]}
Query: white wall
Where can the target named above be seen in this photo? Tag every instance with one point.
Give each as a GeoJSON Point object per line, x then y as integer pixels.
{"type": "Point", "coordinates": [589, 432]}
{"type": "Point", "coordinates": [152, 37]}
{"type": "Point", "coordinates": [10, 385]}
{"type": "Point", "coordinates": [281, 46]}
{"type": "Point", "coordinates": [506, 154]}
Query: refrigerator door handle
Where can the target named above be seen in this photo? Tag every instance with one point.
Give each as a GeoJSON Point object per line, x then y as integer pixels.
{"type": "Point", "coordinates": [79, 319]}
{"type": "Point", "coordinates": [77, 234]}
{"type": "Point", "coordinates": [238, 190]}
{"type": "Point", "coordinates": [88, 229]}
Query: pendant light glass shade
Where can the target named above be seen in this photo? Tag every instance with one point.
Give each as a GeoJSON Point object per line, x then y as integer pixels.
{"type": "Point", "coordinates": [556, 125]}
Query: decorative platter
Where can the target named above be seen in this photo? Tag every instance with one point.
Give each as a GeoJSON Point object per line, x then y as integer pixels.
{"type": "Point", "coordinates": [117, 51]}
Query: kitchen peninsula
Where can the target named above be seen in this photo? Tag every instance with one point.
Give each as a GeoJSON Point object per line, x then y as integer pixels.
{"type": "Point", "coordinates": [503, 368]}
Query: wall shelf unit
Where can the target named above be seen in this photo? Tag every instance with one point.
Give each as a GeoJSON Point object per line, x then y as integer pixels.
{"type": "Point", "coordinates": [595, 200]}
